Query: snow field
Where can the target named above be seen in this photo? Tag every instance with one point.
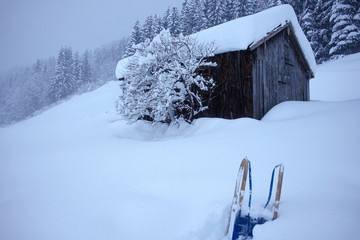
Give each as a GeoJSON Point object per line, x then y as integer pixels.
{"type": "Point", "coordinates": [78, 171]}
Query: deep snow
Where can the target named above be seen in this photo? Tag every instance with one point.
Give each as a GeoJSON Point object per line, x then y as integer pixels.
{"type": "Point", "coordinates": [78, 171]}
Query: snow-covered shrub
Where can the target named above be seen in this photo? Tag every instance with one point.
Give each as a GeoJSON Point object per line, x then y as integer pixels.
{"type": "Point", "coordinates": [162, 82]}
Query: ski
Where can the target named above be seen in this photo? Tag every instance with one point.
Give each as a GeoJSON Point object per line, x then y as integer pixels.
{"type": "Point", "coordinates": [239, 224]}
{"type": "Point", "coordinates": [238, 196]}
{"type": "Point", "coordinates": [278, 191]}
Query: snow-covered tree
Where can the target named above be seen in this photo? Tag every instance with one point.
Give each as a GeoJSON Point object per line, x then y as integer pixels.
{"type": "Point", "coordinates": [37, 67]}
{"type": "Point", "coordinates": [273, 3]}
{"type": "Point", "coordinates": [148, 28]}
{"type": "Point", "coordinates": [166, 19]}
{"type": "Point", "coordinates": [251, 7]}
{"type": "Point", "coordinates": [175, 25]}
{"type": "Point", "coordinates": [297, 5]}
{"type": "Point", "coordinates": [188, 17]}
{"type": "Point", "coordinates": [135, 38]}
{"type": "Point", "coordinates": [215, 12]}
{"type": "Point", "coordinates": [86, 73]}
{"type": "Point", "coordinates": [260, 5]}
{"type": "Point", "coordinates": [345, 38]}
{"type": "Point", "coordinates": [228, 10]}
{"type": "Point", "coordinates": [157, 25]}
{"type": "Point", "coordinates": [63, 83]}
{"type": "Point", "coordinates": [321, 36]}
{"type": "Point", "coordinates": [77, 69]}
{"type": "Point", "coordinates": [307, 18]}
{"type": "Point", "coordinates": [161, 82]}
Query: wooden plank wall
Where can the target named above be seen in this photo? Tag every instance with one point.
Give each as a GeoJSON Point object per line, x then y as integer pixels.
{"type": "Point", "coordinates": [279, 73]}
{"type": "Point", "coordinates": [232, 96]}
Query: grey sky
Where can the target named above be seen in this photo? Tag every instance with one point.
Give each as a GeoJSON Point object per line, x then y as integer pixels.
{"type": "Point", "coordinates": [31, 29]}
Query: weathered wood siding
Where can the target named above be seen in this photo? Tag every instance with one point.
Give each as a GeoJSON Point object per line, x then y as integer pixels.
{"type": "Point", "coordinates": [232, 96]}
{"type": "Point", "coordinates": [279, 73]}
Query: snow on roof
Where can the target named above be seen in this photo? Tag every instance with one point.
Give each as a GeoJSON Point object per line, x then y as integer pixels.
{"type": "Point", "coordinates": [241, 33]}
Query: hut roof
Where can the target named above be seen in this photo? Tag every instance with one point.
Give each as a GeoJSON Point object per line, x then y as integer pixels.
{"type": "Point", "coordinates": [242, 33]}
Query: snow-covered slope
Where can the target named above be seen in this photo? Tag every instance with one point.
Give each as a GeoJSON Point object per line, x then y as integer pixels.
{"type": "Point", "coordinates": [78, 171]}
{"type": "Point", "coordinates": [337, 80]}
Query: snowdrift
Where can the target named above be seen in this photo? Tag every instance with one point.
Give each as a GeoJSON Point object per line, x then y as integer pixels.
{"type": "Point", "coordinates": [78, 171]}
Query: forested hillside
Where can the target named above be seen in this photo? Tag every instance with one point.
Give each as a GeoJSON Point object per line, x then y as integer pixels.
{"type": "Point", "coordinates": [331, 26]}
{"type": "Point", "coordinates": [25, 91]}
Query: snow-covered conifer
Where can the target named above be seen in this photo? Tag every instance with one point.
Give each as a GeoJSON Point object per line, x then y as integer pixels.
{"type": "Point", "coordinates": [135, 38]}
{"type": "Point", "coordinates": [77, 69]}
{"type": "Point", "coordinates": [148, 28]}
{"type": "Point", "coordinates": [199, 13]}
{"type": "Point", "coordinates": [273, 3]}
{"type": "Point", "coordinates": [157, 25]}
{"type": "Point", "coordinates": [62, 84]}
{"type": "Point", "coordinates": [86, 73]}
{"type": "Point", "coordinates": [345, 38]}
{"type": "Point", "coordinates": [228, 10]}
{"type": "Point", "coordinates": [175, 26]}
{"type": "Point", "coordinates": [321, 30]}
{"type": "Point", "coordinates": [166, 19]}
{"type": "Point", "coordinates": [216, 12]}
{"type": "Point", "coordinates": [188, 17]}
{"type": "Point", "coordinates": [239, 8]}
{"type": "Point", "coordinates": [297, 5]}
{"type": "Point", "coordinates": [307, 19]}
{"type": "Point", "coordinates": [250, 7]}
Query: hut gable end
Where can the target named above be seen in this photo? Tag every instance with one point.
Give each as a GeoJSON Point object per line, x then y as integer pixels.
{"type": "Point", "coordinates": [250, 82]}
{"type": "Point", "coordinates": [280, 72]}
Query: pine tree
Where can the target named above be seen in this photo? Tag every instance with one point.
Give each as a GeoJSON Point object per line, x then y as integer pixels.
{"type": "Point", "coordinates": [77, 69]}
{"type": "Point", "coordinates": [199, 16]}
{"type": "Point", "coordinates": [297, 5]}
{"type": "Point", "coordinates": [345, 38]}
{"type": "Point", "coordinates": [37, 67]}
{"type": "Point", "coordinates": [62, 84]}
{"type": "Point", "coordinates": [251, 7]}
{"type": "Point", "coordinates": [307, 18]}
{"type": "Point", "coordinates": [260, 5]}
{"type": "Point", "coordinates": [86, 73]}
{"type": "Point", "coordinates": [175, 26]}
{"type": "Point", "coordinates": [228, 13]}
{"type": "Point", "coordinates": [322, 30]}
{"type": "Point", "coordinates": [239, 8]}
{"type": "Point", "coordinates": [206, 6]}
{"type": "Point", "coordinates": [166, 19]}
{"type": "Point", "coordinates": [215, 12]}
{"type": "Point", "coordinates": [157, 25]}
{"type": "Point", "coordinates": [188, 17]}
{"type": "Point", "coordinates": [148, 28]}
{"type": "Point", "coordinates": [274, 3]}
{"type": "Point", "coordinates": [135, 38]}
{"type": "Point", "coordinates": [357, 16]}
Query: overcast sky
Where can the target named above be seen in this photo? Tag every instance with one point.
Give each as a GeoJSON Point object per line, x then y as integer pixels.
{"type": "Point", "coordinates": [31, 29]}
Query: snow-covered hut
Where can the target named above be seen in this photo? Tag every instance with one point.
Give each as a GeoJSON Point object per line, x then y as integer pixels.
{"type": "Point", "coordinates": [262, 60]}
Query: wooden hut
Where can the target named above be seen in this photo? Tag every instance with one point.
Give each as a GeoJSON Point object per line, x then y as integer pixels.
{"type": "Point", "coordinates": [252, 78]}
